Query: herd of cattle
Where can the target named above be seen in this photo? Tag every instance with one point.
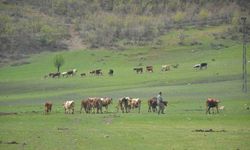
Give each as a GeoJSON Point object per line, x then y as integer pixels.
{"type": "Point", "coordinates": [98, 72]}
{"type": "Point", "coordinates": [125, 105]}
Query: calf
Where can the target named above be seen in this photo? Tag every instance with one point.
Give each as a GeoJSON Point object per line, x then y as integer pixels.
{"type": "Point", "coordinates": [48, 107]}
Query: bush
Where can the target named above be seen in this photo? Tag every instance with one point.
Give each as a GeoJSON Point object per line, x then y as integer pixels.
{"type": "Point", "coordinates": [179, 16]}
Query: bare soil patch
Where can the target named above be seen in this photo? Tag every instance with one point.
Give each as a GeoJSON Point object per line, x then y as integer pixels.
{"type": "Point", "coordinates": [7, 113]}
{"type": "Point", "coordinates": [208, 130]}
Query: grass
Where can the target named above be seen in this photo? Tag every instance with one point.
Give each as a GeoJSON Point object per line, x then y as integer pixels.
{"type": "Point", "coordinates": [24, 90]}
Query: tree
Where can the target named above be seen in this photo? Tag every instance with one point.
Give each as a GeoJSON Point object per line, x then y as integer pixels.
{"type": "Point", "coordinates": [58, 62]}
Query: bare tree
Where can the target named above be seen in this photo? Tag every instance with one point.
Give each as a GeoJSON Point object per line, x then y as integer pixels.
{"type": "Point", "coordinates": [58, 62]}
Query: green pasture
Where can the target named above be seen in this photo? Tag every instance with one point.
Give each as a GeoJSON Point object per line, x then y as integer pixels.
{"type": "Point", "coordinates": [23, 91]}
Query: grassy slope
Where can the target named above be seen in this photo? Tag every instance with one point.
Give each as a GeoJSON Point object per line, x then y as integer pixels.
{"type": "Point", "coordinates": [24, 90]}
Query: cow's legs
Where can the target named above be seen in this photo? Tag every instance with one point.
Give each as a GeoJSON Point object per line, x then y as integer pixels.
{"type": "Point", "coordinates": [209, 110]}
{"type": "Point", "coordinates": [149, 108]}
{"type": "Point", "coordinates": [106, 107]}
{"type": "Point", "coordinates": [81, 110]}
{"type": "Point", "coordinates": [217, 109]}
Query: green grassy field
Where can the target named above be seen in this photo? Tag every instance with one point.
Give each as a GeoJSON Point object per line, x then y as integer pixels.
{"type": "Point", "coordinates": [23, 90]}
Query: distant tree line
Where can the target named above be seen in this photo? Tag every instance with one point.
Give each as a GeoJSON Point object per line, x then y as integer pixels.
{"type": "Point", "coordinates": [29, 26]}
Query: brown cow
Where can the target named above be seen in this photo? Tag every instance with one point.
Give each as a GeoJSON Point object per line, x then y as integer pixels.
{"type": "Point", "coordinates": [87, 105]}
{"type": "Point", "coordinates": [123, 104]}
{"type": "Point", "coordinates": [152, 104]}
{"type": "Point", "coordinates": [134, 103]}
{"type": "Point", "coordinates": [94, 105]}
{"type": "Point", "coordinates": [211, 103]}
{"type": "Point", "coordinates": [48, 107]}
{"type": "Point", "coordinates": [97, 104]}
{"type": "Point", "coordinates": [149, 69]}
{"type": "Point", "coordinates": [106, 101]}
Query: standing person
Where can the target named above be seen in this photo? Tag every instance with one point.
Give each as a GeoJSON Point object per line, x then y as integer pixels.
{"type": "Point", "coordinates": [160, 103]}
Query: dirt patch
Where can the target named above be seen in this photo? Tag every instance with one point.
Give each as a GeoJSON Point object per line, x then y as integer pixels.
{"type": "Point", "coordinates": [208, 130]}
{"type": "Point", "coordinates": [12, 142]}
{"type": "Point", "coordinates": [63, 129]}
{"type": "Point", "coordinates": [7, 113]}
{"type": "Point", "coordinates": [193, 110]}
{"type": "Point", "coordinates": [109, 119]}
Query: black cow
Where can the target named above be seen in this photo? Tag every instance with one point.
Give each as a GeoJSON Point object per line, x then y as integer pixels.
{"type": "Point", "coordinates": [138, 70]}
{"type": "Point", "coordinates": [53, 75]}
{"type": "Point", "coordinates": [83, 74]}
{"type": "Point", "coordinates": [200, 66]}
{"type": "Point", "coordinates": [98, 72]}
{"type": "Point", "coordinates": [111, 72]}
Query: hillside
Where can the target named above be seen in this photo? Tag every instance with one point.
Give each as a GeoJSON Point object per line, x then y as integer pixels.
{"type": "Point", "coordinates": [222, 55]}
{"type": "Point", "coordinates": [185, 125]}
{"type": "Point", "coordinates": [29, 26]}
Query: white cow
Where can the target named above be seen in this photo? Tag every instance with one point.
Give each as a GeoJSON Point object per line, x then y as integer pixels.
{"type": "Point", "coordinates": [197, 66]}
{"type": "Point", "coordinates": [72, 72]}
{"type": "Point", "coordinates": [65, 74]}
{"type": "Point", "coordinates": [69, 107]}
{"type": "Point", "coordinates": [165, 67]}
